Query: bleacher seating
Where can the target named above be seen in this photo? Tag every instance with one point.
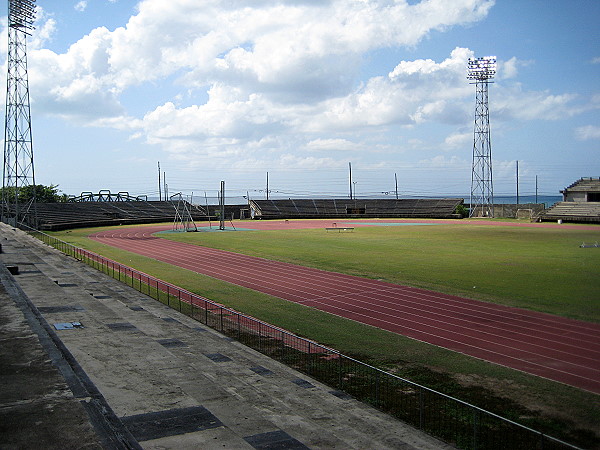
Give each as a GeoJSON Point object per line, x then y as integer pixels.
{"type": "Point", "coordinates": [572, 212]}
{"type": "Point", "coordinates": [344, 208]}
{"type": "Point", "coordinates": [59, 216]}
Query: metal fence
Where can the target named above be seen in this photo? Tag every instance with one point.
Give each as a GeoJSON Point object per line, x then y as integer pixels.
{"type": "Point", "coordinates": [449, 419]}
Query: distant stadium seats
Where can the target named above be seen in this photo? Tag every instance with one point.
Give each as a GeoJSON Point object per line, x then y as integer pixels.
{"type": "Point", "coordinates": [344, 208]}
{"type": "Point", "coordinates": [581, 203]}
{"type": "Point", "coordinates": [60, 216]}
{"type": "Point", "coordinates": [573, 212]}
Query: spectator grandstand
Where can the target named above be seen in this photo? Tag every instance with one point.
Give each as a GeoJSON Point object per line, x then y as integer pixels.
{"type": "Point", "coordinates": [581, 203]}
{"type": "Point", "coordinates": [60, 216]}
{"type": "Point", "coordinates": [573, 212]}
{"type": "Point", "coordinates": [104, 209]}
{"type": "Point", "coordinates": [344, 208]}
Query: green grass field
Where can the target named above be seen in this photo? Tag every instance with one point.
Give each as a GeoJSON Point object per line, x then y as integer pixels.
{"type": "Point", "coordinates": [536, 268]}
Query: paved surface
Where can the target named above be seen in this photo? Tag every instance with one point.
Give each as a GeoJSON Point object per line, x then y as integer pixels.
{"type": "Point", "coordinates": [138, 374]}
{"type": "Point", "coordinates": [550, 346]}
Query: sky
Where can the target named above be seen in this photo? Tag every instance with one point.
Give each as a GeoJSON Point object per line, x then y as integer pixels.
{"type": "Point", "coordinates": [230, 90]}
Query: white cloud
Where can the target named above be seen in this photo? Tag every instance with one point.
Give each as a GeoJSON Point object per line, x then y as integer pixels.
{"type": "Point", "coordinates": [332, 145]}
{"type": "Point", "coordinates": [588, 132]}
{"type": "Point", "coordinates": [511, 103]}
{"type": "Point", "coordinates": [442, 161]}
{"type": "Point", "coordinates": [281, 78]}
{"type": "Point", "coordinates": [458, 140]}
{"type": "Point", "coordinates": [407, 96]}
{"type": "Point", "coordinates": [414, 92]}
{"type": "Point", "coordinates": [596, 60]}
{"type": "Point", "coordinates": [307, 162]}
{"type": "Point", "coordinates": [300, 52]}
{"type": "Point", "coordinates": [81, 6]}
{"type": "Point", "coordinates": [507, 69]}
{"type": "Point", "coordinates": [510, 68]}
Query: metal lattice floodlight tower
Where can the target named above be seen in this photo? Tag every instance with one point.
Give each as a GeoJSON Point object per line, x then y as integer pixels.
{"type": "Point", "coordinates": [482, 70]}
{"type": "Point", "coordinates": [18, 173]}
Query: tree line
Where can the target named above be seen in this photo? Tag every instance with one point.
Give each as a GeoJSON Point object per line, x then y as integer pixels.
{"type": "Point", "coordinates": [24, 194]}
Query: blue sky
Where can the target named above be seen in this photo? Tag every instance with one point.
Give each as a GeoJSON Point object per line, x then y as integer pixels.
{"type": "Point", "coordinates": [232, 89]}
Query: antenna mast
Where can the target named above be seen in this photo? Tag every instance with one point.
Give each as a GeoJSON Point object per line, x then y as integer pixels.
{"type": "Point", "coordinates": [18, 182]}
{"type": "Point", "coordinates": [482, 70]}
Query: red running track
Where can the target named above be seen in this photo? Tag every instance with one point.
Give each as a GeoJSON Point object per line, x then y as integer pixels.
{"type": "Point", "coordinates": [560, 349]}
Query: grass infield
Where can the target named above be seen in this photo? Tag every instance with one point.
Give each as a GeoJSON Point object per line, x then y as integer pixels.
{"type": "Point", "coordinates": [543, 269]}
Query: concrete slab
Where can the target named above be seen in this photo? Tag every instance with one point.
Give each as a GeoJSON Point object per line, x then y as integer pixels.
{"type": "Point", "coordinates": [147, 362]}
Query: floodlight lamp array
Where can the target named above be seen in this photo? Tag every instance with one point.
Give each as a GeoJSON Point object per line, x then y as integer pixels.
{"type": "Point", "coordinates": [481, 69]}
{"type": "Point", "coordinates": [21, 14]}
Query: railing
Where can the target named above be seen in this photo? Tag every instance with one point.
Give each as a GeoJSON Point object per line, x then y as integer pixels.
{"type": "Point", "coordinates": [450, 419]}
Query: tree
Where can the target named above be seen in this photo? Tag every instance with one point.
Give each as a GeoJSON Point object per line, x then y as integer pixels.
{"type": "Point", "coordinates": [43, 194]}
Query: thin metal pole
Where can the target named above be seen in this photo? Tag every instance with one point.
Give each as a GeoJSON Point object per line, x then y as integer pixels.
{"type": "Point", "coordinates": [350, 168]}
{"type": "Point", "coordinates": [396, 177]}
{"type": "Point", "coordinates": [159, 189]}
{"type": "Point", "coordinates": [166, 188]}
{"type": "Point", "coordinates": [207, 211]}
{"type": "Point", "coordinates": [517, 182]}
{"type": "Point", "coordinates": [222, 206]}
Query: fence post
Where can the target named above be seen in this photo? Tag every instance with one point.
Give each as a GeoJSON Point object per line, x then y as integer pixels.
{"type": "Point", "coordinates": [377, 389]}
{"type": "Point", "coordinates": [340, 373]}
{"type": "Point", "coordinates": [221, 317]}
{"type": "Point", "coordinates": [421, 411]}
{"type": "Point", "coordinates": [475, 428]}
{"type": "Point", "coordinates": [542, 441]}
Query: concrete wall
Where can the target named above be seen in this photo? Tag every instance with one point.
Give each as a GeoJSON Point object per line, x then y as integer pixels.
{"type": "Point", "coordinates": [509, 211]}
{"type": "Point", "coordinates": [575, 196]}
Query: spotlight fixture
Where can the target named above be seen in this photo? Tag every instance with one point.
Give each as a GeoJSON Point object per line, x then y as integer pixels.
{"type": "Point", "coordinates": [21, 14]}
{"type": "Point", "coordinates": [481, 69]}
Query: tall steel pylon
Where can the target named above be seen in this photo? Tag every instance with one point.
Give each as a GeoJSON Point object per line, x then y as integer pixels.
{"type": "Point", "coordinates": [482, 70]}
{"type": "Point", "coordinates": [18, 174]}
